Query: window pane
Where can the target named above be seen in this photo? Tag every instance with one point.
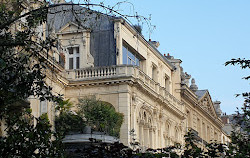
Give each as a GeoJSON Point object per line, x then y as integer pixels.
{"type": "Point", "coordinates": [129, 61]}
{"type": "Point", "coordinates": [77, 50]}
{"type": "Point", "coordinates": [129, 57]}
{"type": "Point", "coordinates": [70, 50]}
{"type": "Point", "coordinates": [124, 55]}
{"type": "Point", "coordinates": [132, 56]}
{"type": "Point", "coordinates": [71, 63]}
{"type": "Point", "coordinates": [133, 63]}
{"type": "Point", "coordinates": [137, 62]}
{"type": "Point", "coordinates": [43, 107]}
{"type": "Point", "coordinates": [77, 62]}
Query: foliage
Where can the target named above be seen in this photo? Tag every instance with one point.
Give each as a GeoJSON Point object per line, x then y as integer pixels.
{"type": "Point", "coordinates": [138, 28]}
{"type": "Point", "coordinates": [29, 138]}
{"type": "Point", "coordinates": [163, 152]}
{"type": "Point", "coordinates": [101, 116]}
{"type": "Point", "coordinates": [215, 149]}
{"type": "Point", "coordinates": [23, 67]}
{"type": "Point", "coordinates": [191, 148]}
{"type": "Point", "coordinates": [243, 63]}
{"type": "Point", "coordinates": [20, 75]}
{"type": "Point", "coordinates": [107, 151]}
{"type": "Point", "coordinates": [239, 147]}
{"type": "Point", "coordinates": [64, 106]}
{"type": "Point", "coordinates": [67, 121]}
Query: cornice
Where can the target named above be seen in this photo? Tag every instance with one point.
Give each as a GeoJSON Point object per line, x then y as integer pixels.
{"type": "Point", "coordinates": [131, 81]}
{"type": "Point", "coordinates": [160, 99]}
{"type": "Point", "coordinates": [189, 96]}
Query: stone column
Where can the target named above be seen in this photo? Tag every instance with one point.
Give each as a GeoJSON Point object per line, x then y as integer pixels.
{"type": "Point", "coordinates": [145, 134]}
{"type": "Point", "coordinates": [124, 107]}
{"type": "Point", "coordinates": [147, 137]}
{"type": "Point", "coordinates": [117, 36]}
{"type": "Point", "coordinates": [150, 138]}
{"type": "Point", "coordinates": [141, 134]}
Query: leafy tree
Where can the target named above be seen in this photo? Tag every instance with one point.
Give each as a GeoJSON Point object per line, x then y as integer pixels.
{"type": "Point", "coordinates": [21, 63]}
{"type": "Point", "coordinates": [22, 72]}
{"type": "Point", "coordinates": [24, 63]}
{"type": "Point", "coordinates": [216, 149]}
{"type": "Point", "coordinates": [239, 147]}
{"type": "Point", "coordinates": [101, 116]}
{"type": "Point", "coordinates": [191, 148]}
{"type": "Point", "coordinates": [67, 121]}
{"type": "Point", "coordinates": [25, 138]}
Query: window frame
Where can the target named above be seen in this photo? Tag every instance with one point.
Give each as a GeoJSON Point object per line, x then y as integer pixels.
{"type": "Point", "coordinates": [130, 56]}
{"type": "Point", "coordinates": [43, 105]}
{"type": "Point", "coordinates": [74, 57]}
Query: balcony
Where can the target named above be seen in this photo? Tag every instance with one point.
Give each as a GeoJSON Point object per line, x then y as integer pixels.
{"type": "Point", "coordinates": [124, 71]}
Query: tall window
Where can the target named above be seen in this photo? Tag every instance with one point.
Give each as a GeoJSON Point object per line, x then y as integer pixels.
{"type": "Point", "coordinates": [199, 127]}
{"type": "Point", "coordinates": [129, 57]}
{"type": "Point", "coordinates": [176, 135]}
{"type": "Point", "coordinates": [167, 83]}
{"type": "Point", "coordinates": [208, 134]}
{"type": "Point", "coordinates": [43, 107]}
{"type": "Point", "coordinates": [154, 73]}
{"type": "Point", "coordinates": [204, 131]}
{"type": "Point", "coordinates": [73, 58]}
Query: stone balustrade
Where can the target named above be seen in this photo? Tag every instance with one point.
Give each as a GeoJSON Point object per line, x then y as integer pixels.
{"type": "Point", "coordinates": [95, 73]}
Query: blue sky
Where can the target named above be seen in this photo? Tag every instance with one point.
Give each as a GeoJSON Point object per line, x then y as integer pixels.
{"type": "Point", "coordinates": [204, 34]}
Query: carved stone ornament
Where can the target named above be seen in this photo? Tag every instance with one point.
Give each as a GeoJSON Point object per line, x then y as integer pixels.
{"type": "Point", "coordinates": [205, 103]}
{"type": "Point", "coordinates": [133, 96]}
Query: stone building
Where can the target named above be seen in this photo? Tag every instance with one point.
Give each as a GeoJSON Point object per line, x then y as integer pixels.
{"type": "Point", "coordinates": [107, 58]}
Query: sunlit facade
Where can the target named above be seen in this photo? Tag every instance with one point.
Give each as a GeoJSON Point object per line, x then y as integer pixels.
{"type": "Point", "coordinates": [113, 62]}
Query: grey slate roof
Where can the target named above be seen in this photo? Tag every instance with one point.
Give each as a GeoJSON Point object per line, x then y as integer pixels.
{"type": "Point", "coordinates": [201, 93]}
{"type": "Point", "coordinates": [101, 27]}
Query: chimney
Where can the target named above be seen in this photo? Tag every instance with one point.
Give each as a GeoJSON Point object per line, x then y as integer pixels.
{"type": "Point", "coordinates": [225, 119]}
{"type": "Point", "coordinates": [217, 108]}
{"type": "Point", "coordinates": [169, 56]}
{"type": "Point", "coordinates": [156, 44]}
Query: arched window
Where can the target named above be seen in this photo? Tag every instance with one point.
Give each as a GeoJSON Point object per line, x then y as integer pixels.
{"type": "Point", "coordinates": [146, 133]}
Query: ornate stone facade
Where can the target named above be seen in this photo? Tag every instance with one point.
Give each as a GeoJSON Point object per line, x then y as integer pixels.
{"type": "Point", "coordinates": [116, 64]}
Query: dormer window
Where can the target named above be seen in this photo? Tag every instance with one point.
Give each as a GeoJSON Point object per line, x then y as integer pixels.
{"type": "Point", "coordinates": [73, 58]}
